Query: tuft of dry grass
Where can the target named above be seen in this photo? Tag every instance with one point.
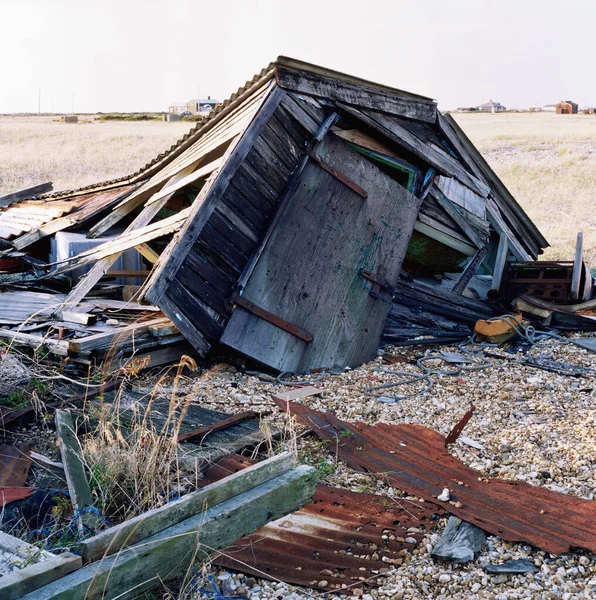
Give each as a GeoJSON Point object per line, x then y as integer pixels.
{"type": "Point", "coordinates": [133, 464]}
{"type": "Point", "coordinates": [38, 149]}
{"type": "Point", "coordinates": [548, 162]}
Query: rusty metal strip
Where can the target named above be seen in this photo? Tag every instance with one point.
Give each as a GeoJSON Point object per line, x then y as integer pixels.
{"type": "Point", "coordinates": [15, 462]}
{"type": "Point", "coordinates": [337, 174]}
{"type": "Point", "coordinates": [459, 427]}
{"type": "Point", "coordinates": [414, 458]}
{"type": "Point", "coordinates": [203, 431]}
{"type": "Point", "coordinates": [271, 318]}
{"type": "Point", "coordinates": [336, 540]}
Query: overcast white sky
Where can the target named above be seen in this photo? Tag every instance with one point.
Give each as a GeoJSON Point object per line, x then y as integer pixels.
{"type": "Point", "coordinates": [136, 55]}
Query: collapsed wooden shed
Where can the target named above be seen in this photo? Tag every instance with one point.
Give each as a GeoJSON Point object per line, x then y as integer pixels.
{"type": "Point", "coordinates": [304, 211]}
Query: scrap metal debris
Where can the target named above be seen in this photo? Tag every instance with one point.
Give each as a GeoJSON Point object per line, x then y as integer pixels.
{"type": "Point", "coordinates": [414, 458]}
{"type": "Point", "coordinates": [459, 427]}
{"type": "Point", "coordinates": [341, 538]}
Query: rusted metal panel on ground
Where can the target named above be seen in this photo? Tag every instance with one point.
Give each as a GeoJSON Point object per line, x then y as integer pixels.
{"type": "Point", "coordinates": [414, 458]}
{"type": "Point", "coordinates": [337, 539]}
{"type": "Point", "coordinates": [334, 542]}
{"type": "Point", "coordinates": [15, 463]}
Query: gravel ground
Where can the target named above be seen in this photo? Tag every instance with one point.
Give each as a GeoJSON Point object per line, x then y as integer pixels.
{"type": "Point", "coordinates": [533, 425]}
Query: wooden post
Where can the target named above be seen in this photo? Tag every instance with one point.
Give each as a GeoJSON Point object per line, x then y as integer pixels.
{"type": "Point", "coordinates": [500, 262]}
{"type": "Point", "coordinates": [578, 267]}
{"type": "Point", "coordinates": [74, 469]}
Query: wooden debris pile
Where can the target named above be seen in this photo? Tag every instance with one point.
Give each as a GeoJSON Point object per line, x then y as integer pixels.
{"type": "Point", "coordinates": [309, 217]}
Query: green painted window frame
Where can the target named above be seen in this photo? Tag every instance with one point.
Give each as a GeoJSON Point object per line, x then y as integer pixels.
{"type": "Point", "coordinates": [389, 161]}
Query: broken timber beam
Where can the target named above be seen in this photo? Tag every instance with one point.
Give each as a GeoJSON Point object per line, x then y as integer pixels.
{"type": "Point", "coordinates": [462, 283]}
{"type": "Point", "coordinates": [173, 550]}
{"type": "Point", "coordinates": [74, 469]}
{"type": "Point", "coordinates": [9, 199]}
{"type": "Point", "coordinates": [203, 431]}
{"type": "Point", "coordinates": [115, 538]}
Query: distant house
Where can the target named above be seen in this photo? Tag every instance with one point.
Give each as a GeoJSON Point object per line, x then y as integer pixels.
{"type": "Point", "coordinates": [566, 107]}
{"type": "Point", "coordinates": [177, 108]}
{"type": "Point", "coordinates": [491, 106]}
{"type": "Point", "coordinates": [199, 106]}
{"type": "Point", "coordinates": [466, 109]}
{"type": "Point", "coordinates": [549, 108]}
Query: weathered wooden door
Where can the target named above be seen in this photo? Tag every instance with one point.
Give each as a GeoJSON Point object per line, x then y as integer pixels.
{"type": "Point", "coordinates": [310, 272]}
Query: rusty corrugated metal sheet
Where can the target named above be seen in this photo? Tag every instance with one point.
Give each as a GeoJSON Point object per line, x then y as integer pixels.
{"type": "Point", "coordinates": [337, 539]}
{"type": "Point", "coordinates": [414, 458]}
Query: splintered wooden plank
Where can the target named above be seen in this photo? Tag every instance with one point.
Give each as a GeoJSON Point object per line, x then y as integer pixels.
{"type": "Point", "coordinates": [390, 101]}
{"type": "Point", "coordinates": [500, 263]}
{"type": "Point", "coordinates": [462, 283]}
{"type": "Point", "coordinates": [173, 550]}
{"type": "Point", "coordinates": [35, 190]}
{"type": "Point", "coordinates": [195, 434]}
{"type": "Point", "coordinates": [74, 470]}
{"type": "Point", "coordinates": [298, 393]}
{"type": "Point", "coordinates": [115, 538]}
{"type": "Point", "coordinates": [578, 266]}
{"type": "Point", "coordinates": [100, 341]}
{"type": "Point", "coordinates": [459, 215]}
{"type": "Point", "coordinates": [38, 567]}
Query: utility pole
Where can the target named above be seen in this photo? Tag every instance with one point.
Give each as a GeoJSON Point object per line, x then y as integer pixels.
{"type": "Point", "coordinates": [39, 104]}
{"type": "Point", "coordinates": [72, 103]}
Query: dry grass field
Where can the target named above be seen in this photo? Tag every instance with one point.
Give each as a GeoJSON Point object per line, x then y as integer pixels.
{"type": "Point", "coordinates": [548, 161]}
{"type": "Point", "coordinates": [38, 149]}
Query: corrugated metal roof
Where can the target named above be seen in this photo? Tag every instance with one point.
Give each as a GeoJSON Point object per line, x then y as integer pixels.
{"type": "Point", "coordinates": [30, 215]}
{"type": "Point", "coordinates": [189, 138]}
{"type": "Point", "coordinates": [340, 539]}
{"type": "Point", "coordinates": [414, 458]}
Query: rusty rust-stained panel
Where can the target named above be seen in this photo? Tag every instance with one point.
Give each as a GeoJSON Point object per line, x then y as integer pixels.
{"type": "Point", "coordinates": [15, 463]}
{"type": "Point", "coordinates": [335, 540]}
{"type": "Point", "coordinates": [414, 458]}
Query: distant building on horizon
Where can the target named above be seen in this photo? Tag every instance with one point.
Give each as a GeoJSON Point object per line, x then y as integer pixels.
{"type": "Point", "coordinates": [466, 109]}
{"type": "Point", "coordinates": [177, 108]}
{"type": "Point", "coordinates": [199, 106]}
{"type": "Point", "coordinates": [567, 107]}
{"type": "Point", "coordinates": [491, 106]}
{"type": "Point", "coordinates": [549, 108]}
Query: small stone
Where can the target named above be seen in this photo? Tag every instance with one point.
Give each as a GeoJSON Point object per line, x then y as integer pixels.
{"type": "Point", "coordinates": [113, 322]}
{"type": "Point", "coordinates": [444, 496]}
{"type": "Point", "coordinates": [411, 540]}
{"type": "Point", "coordinates": [458, 505]}
{"type": "Point", "coordinates": [358, 592]}
{"type": "Point", "coordinates": [241, 591]}
{"type": "Point", "coordinates": [327, 573]}
{"type": "Point", "coordinates": [497, 579]}
{"type": "Point", "coordinates": [250, 582]}
{"type": "Point", "coordinates": [444, 578]}
{"type": "Point", "coordinates": [323, 583]}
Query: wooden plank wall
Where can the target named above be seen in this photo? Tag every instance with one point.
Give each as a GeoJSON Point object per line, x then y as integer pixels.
{"type": "Point", "coordinates": [203, 284]}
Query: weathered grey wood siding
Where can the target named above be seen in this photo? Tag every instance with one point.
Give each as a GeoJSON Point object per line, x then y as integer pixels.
{"type": "Point", "coordinates": [198, 292]}
{"type": "Point", "coordinates": [310, 272]}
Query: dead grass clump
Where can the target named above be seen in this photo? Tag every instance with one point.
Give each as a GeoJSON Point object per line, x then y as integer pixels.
{"type": "Point", "coordinates": [133, 463]}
